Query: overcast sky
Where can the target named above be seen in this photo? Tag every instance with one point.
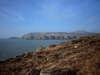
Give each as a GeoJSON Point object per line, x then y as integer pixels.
{"type": "Point", "coordinates": [18, 17]}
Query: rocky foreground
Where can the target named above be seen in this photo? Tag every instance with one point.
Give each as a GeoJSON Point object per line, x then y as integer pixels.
{"type": "Point", "coordinates": [77, 57]}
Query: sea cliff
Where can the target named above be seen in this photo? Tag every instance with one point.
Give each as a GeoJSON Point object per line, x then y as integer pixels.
{"type": "Point", "coordinates": [56, 35]}
{"type": "Point", "coordinates": [77, 57]}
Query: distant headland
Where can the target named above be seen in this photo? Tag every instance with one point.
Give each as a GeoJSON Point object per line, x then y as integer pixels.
{"type": "Point", "coordinates": [55, 35]}
{"type": "Point", "coordinates": [14, 38]}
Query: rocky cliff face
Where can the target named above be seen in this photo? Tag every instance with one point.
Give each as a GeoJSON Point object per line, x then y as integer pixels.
{"type": "Point", "coordinates": [55, 35]}
{"type": "Point", "coordinates": [76, 57]}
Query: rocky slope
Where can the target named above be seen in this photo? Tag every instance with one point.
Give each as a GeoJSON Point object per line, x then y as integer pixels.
{"type": "Point", "coordinates": [55, 35]}
{"type": "Point", "coordinates": [76, 57]}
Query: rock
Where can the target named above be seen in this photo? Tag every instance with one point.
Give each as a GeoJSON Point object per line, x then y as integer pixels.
{"type": "Point", "coordinates": [52, 37]}
{"type": "Point", "coordinates": [58, 72]}
{"type": "Point", "coordinates": [73, 41]}
{"type": "Point", "coordinates": [40, 48]}
{"type": "Point", "coordinates": [47, 58]}
{"type": "Point", "coordinates": [31, 37]}
{"type": "Point", "coordinates": [44, 37]}
{"type": "Point", "coordinates": [43, 72]}
{"type": "Point", "coordinates": [75, 46]}
{"type": "Point", "coordinates": [52, 46]}
{"type": "Point", "coordinates": [60, 37]}
{"type": "Point", "coordinates": [65, 71]}
{"type": "Point", "coordinates": [38, 57]}
{"type": "Point", "coordinates": [29, 71]}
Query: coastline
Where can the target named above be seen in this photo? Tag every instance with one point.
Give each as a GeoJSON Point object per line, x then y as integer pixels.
{"type": "Point", "coordinates": [79, 56]}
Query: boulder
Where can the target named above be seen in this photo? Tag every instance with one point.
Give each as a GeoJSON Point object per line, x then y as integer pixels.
{"type": "Point", "coordinates": [40, 48]}
{"type": "Point", "coordinates": [44, 72]}
{"type": "Point", "coordinates": [75, 46]}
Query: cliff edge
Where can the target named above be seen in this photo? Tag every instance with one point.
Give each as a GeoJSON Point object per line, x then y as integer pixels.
{"type": "Point", "coordinates": [77, 57]}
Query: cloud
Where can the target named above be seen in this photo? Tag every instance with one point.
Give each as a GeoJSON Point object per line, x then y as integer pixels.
{"type": "Point", "coordinates": [10, 15]}
{"type": "Point", "coordinates": [57, 10]}
{"type": "Point", "coordinates": [20, 17]}
{"type": "Point", "coordinates": [48, 9]}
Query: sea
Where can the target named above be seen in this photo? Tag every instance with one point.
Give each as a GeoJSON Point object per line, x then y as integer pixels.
{"type": "Point", "coordinates": [10, 48]}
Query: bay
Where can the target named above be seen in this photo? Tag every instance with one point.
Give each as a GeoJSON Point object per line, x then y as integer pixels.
{"type": "Point", "coordinates": [10, 48]}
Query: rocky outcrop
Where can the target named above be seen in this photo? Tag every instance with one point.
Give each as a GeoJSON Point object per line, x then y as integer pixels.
{"type": "Point", "coordinates": [80, 56]}
{"type": "Point", "coordinates": [43, 72]}
{"type": "Point", "coordinates": [56, 35]}
{"type": "Point", "coordinates": [58, 72]}
{"type": "Point", "coordinates": [40, 48]}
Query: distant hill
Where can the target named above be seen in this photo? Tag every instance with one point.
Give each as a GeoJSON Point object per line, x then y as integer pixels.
{"type": "Point", "coordinates": [81, 32]}
{"type": "Point", "coordinates": [56, 35]}
{"type": "Point", "coordinates": [14, 38]}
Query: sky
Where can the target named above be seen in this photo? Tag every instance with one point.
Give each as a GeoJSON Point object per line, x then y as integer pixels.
{"type": "Point", "coordinates": [18, 17]}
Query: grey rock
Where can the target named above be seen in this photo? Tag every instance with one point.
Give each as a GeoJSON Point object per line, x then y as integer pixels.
{"type": "Point", "coordinates": [40, 48]}
{"type": "Point", "coordinates": [43, 72]}
{"type": "Point", "coordinates": [75, 46]}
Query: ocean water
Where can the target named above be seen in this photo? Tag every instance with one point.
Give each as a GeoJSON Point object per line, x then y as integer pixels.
{"type": "Point", "coordinates": [10, 48]}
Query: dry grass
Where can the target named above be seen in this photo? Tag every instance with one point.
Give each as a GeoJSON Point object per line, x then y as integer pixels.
{"type": "Point", "coordinates": [65, 58]}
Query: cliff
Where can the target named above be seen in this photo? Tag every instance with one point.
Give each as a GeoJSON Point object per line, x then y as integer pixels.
{"type": "Point", "coordinates": [56, 35]}
{"type": "Point", "coordinates": [77, 57]}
